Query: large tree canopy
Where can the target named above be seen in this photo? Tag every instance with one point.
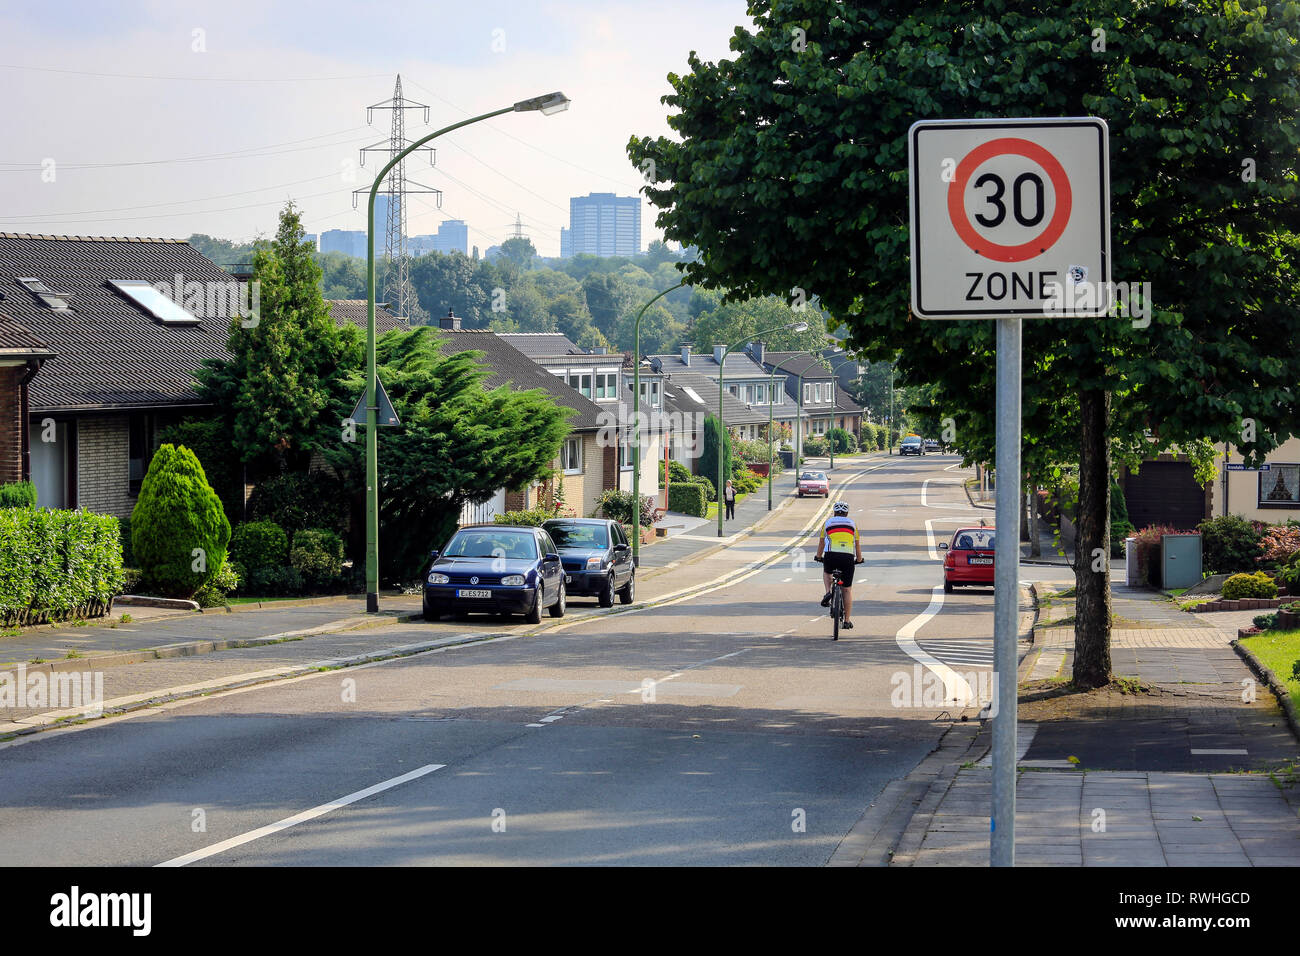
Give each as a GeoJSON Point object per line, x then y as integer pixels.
{"type": "Point", "coordinates": [791, 172]}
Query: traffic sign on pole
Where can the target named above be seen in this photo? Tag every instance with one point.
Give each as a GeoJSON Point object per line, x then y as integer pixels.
{"type": "Point", "coordinates": [1009, 219]}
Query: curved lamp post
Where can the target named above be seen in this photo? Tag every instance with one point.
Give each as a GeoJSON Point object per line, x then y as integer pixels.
{"type": "Point", "coordinates": [722, 426]}
{"type": "Point", "coordinates": [548, 104]}
{"type": "Point", "coordinates": [771, 455]}
{"type": "Point", "coordinates": [844, 361]}
{"type": "Point", "coordinates": [636, 422]}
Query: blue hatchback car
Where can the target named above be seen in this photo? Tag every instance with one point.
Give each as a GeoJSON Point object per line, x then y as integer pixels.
{"type": "Point", "coordinates": [496, 569]}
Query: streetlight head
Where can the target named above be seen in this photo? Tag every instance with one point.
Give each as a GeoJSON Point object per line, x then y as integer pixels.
{"type": "Point", "coordinates": [549, 104]}
{"type": "Point", "coordinates": [801, 327]}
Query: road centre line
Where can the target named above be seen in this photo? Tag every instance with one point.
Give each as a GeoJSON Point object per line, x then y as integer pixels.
{"type": "Point", "coordinates": [303, 817]}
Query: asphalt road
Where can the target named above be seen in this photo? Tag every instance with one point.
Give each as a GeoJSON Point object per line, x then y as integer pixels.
{"type": "Point", "coordinates": [721, 729]}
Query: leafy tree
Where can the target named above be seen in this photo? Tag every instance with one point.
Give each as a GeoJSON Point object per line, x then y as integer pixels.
{"type": "Point", "coordinates": [520, 251]}
{"type": "Point", "coordinates": [282, 378]}
{"type": "Point", "coordinates": [608, 298]}
{"type": "Point", "coordinates": [715, 438]}
{"type": "Point", "coordinates": [457, 443]}
{"type": "Point", "coordinates": [449, 281]}
{"type": "Point", "coordinates": [209, 440]}
{"type": "Point", "coordinates": [178, 529]}
{"type": "Point", "coordinates": [789, 170]}
{"type": "Point", "coordinates": [732, 321]}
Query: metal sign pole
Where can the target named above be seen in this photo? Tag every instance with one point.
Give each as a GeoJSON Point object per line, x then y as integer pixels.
{"type": "Point", "coordinates": [1006, 582]}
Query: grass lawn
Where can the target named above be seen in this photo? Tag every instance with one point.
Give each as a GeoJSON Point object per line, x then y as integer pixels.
{"type": "Point", "coordinates": [1278, 651]}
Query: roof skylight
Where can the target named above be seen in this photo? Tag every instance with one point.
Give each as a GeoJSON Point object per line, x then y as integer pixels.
{"type": "Point", "coordinates": [154, 302]}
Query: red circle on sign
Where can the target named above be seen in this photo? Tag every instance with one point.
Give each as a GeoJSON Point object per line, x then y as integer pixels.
{"type": "Point", "coordinates": [957, 205]}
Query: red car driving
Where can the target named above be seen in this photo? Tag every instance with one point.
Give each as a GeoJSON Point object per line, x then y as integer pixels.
{"type": "Point", "coordinates": [968, 558]}
{"type": "Point", "coordinates": [814, 483]}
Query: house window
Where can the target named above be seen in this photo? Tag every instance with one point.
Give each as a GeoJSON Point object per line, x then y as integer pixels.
{"type": "Point", "coordinates": [154, 302]}
{"type": "Point", "coordinates": [1279, 487]}
{"type": "Point", "coordinates": [582, 382]}
{"type": "Point", "coordinates": [624, 454]}
{"type": "Point", "coordinates": [734, 390]}
{"type": "Point", "coordinates": [650, 394]}
{"type": "Point", "coordinates": [807, 392]}
{"type": "Point", "coordinates": [760, 394]}
{"type": "Point", "coordinates": [137, 454]}
{"type": "Point", "coordinates": [606, 385]}
{"type": "Point", "coordinates": [50, 299]}
{"type": "Point", "coordinates": [571, 456]}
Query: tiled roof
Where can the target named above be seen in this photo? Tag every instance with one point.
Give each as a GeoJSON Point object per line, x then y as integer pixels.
{"type": "Point", "coordinates": [734, 411]}
{"type": "Point", "coordinates": [15, 340]}
{"type": "Point", "coordinates": [511, 366]}
{"type": "Point", "coordinates": [539, 344]}
{"type": "Point", "coordinates": [343, 311]}
{"type": "Point", "coordinates": [844, 402]}
{"type": "Point", "coordinates": [111, 354]}
{"type": "Point", "coordinates": [737, 363]}
{"type": "Point", "coordinates": [797, 363]}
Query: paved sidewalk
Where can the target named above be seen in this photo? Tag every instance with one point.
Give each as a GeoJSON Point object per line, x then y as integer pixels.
{"type": "Point", "coordinates": [1192, 767]}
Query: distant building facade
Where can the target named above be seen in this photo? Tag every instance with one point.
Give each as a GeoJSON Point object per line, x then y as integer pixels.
{"type": "Point", "coordinates": [603, 224]}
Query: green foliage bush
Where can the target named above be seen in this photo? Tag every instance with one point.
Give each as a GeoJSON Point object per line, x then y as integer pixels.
{"type": "Point", "coordinates": [710, 493]}
{"type": "Point", "coordinates": [259, 546]}
{"type": "Point", "coordinates": [843, 440]}
{"type": "Point", "coordinates": [1264, 621]}
{"type": "Point", "coordinates": [124, 532]}
{"type": "Point", "coordinates": [688, 498]}
{"type": "Point", "coordinates": [1229, 544]}
{"type": "Point", "coordinates": [297, 500]}
{"type": "Point", "coordinates": [618, 506]}
{"type": "Point", "coordinates": [55, 563]}
{"type": "Point", "coordinates": [814, 447]}
{"type": "Point", "coordinates": [18, 494]}
{"type": "Point", "coordinates": [677, 472]}
{"type": "Point", "coordinates": [530, 518]}
{"type": "Point", "coordinates": [746, 482]}
{"type": "Point", "coordinates": [714, 436]}
{"type": "Point", "coordinates": [1257, 585]}
{"type": "Point", "coordinates": [176, 515]}
{"type": "Point", "coordinates": [210, 440]}
{"type": "Point", "coordinates": [214, 593]}
{"type": "Point", "coordinates": [318, 556]}
{"type": "Point", "coordinates": [1148, 542]}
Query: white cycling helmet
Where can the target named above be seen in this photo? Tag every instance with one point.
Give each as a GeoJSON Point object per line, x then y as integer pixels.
{"type": "Point", "coordinates": [841, 508]}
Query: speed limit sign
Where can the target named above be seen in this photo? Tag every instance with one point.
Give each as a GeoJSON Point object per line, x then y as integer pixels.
{"type": "Point", "coordinates": [1010, 218]}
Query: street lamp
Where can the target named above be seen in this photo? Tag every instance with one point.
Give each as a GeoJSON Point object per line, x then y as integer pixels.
{"type": "Point", "coordinates": [722, 427]}
{"type": "Point", "coordinates": [840, 364]}
{"type": "Point", "coordinates": [636, 423]}
{"type": "Point", "coordinates": [770, 453]}
{"type": "Point", "coordinates": [548, 104]}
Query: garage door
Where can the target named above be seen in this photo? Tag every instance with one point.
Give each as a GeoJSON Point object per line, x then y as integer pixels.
{"type": "Point", "coordinates": [1164, 492]}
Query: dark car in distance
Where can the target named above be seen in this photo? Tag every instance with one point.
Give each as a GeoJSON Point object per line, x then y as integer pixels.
{"type": "Point", "coordinates": [911, 445]}
{"type": "Point", "coordinates": [496, 569]}
{"type": "Point", "coordinates": [596, 556]}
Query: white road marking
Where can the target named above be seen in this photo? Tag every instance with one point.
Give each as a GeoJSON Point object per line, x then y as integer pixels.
{"type": "Point", "coordinates": [955, 687]}
{"type": "Point", "coordinates": [547, 720]}
{"type": "Point", "coordinates": [1225, 752]}
{"type": "Point", "coordinates": [303, 817]}
{"type": "Point", "coordinates": [534, 725]}
{"type": "Point", "coordinates": [1025, 734]}
{"type": "Point", "coordinates": [786, 580]}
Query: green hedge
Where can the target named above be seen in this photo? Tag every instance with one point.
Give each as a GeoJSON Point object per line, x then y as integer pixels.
{"type": "Point", "coordinates": [179, 530]}
{"type": "Point", "coordinates": [259, 545]}
{"type": "Point", "coordinates": [687, 498]}
{"type": "Point", "coordinates": [18, 494]}
{"type": "Point", "coordinates": [531, 518]}
{"type": "Point", "coordinates": [1257, 585]}
{"type": "Point", "coordinates": [57, 563]}
{"type": "Point", "coordinates": [318, 556]}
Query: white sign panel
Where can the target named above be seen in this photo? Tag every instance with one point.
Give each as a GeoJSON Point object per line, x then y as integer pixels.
{"type": "Point", "coordinates": [1010, 218]}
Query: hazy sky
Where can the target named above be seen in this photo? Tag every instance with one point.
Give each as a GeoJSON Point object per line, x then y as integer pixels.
{"type": "Point", "coordinates": [169, 118]}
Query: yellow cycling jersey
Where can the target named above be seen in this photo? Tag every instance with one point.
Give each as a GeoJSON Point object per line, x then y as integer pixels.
{"type": "Point", "coordinates": [840, 535]}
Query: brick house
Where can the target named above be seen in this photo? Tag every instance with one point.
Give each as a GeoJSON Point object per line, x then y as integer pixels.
{"type": "Point", "coordinates": [119, 362]}
{"type": "Point", "coordinates": [21, 356]}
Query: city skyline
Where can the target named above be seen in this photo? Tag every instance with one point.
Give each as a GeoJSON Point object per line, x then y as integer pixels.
{"type": "Point", "coordinates": [230, 124]}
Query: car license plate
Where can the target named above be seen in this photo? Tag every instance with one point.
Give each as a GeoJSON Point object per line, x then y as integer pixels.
{"type": "Point", "coordinates": [979, 560]}
{"type": "Point", "coordinates": [469, 593]}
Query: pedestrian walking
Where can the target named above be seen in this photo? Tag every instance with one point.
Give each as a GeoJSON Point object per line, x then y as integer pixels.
{"type": "Point", "coordinates": [729, 496]}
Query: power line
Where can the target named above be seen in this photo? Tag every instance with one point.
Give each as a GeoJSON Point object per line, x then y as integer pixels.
{"type": "Point", "coordinates": [196, 79]}
{"type": "Point", "coordinates": [252, 152]}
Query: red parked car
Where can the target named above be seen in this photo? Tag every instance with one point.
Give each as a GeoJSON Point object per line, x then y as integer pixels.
{"type": "Point", "coordinates": [968, 558]}
{"type": "Point", "coordinates": [814, 483]}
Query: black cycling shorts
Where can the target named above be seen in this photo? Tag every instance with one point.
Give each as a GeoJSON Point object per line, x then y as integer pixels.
{"type": "Point", "coordinates": [845, 562]}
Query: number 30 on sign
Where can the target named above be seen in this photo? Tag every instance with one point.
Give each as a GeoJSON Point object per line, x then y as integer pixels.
{"type": "Point", "coordinates": [1010, 218]}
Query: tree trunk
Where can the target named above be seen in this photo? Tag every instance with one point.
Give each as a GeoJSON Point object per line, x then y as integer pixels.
{"type": "Point", "coordinates": [1092, 545]}
{"type": "Point", "coordinates": [1024, 518]}
{"type": "Point", "coordinates": [1035, 546]}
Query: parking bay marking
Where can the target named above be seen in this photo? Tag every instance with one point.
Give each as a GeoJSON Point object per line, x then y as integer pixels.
{"type": "Point", "coordinates": [303, 817]}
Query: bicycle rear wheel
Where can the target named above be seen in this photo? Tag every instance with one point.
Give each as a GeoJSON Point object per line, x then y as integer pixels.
{"type": "Point", "coordinates": [837, 610]}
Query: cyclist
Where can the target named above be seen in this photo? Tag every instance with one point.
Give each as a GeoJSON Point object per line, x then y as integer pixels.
{"type": "Point", "coordinates": [840, 547]}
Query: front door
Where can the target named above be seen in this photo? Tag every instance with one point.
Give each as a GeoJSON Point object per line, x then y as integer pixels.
{"type": "Point", "coordinates": [49, 456]}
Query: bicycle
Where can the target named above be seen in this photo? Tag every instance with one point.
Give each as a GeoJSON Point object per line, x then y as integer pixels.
{"type": "Point", "coordinates": [837, 598]}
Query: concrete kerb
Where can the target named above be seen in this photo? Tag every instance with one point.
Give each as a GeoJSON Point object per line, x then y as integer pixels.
{"type": "Point", "coordinates": [1274, 685]}
{"type": "Point", "coordinates": [120, 706]}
